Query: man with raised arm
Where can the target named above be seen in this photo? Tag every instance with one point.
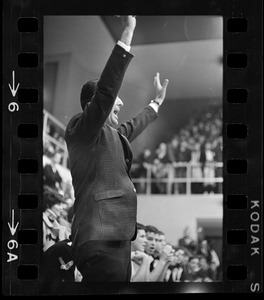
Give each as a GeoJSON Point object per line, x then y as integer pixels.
{"type": "Point", "coordinates": [100, 156]}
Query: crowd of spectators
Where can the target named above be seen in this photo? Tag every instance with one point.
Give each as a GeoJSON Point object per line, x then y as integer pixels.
{"type": "Point", "coordinates": [153, 259]}
{"type": "Point", "coordinates": [198, 144]}
{"type": "Point", "coordinates": [55, 143]}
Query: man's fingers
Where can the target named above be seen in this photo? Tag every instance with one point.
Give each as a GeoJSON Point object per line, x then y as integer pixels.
{"type": "Point", "coordinates": [165, 83]}
{"type": "Point", "coordinates": [158, 77]}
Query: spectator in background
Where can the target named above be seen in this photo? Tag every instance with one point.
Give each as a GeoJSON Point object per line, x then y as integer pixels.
{"type": "Point", "coordinates": [176, 270]}
{"type": "Point", "coordinates": [63, 218]}
{"type": "Point", "coordinates": [184, 157]}
{"type": "Point", "coordinates": [211, 256]}
{"type": "Point", "coordinates": [202, 155]}
{"type": "Point", "coordinates": [166, 259]}
{"type": "Point", "coordinates": [49, 149]}
{"type": "Point", "coordinates": [173, 153]}
{"type": "Point", "coordinates": [186, 242]}
{"type": "Point", "coordinates": [53, 231]}
{"type": "Point", "coordinates": [160, 169]}
{"type": "Point", "coordinates": [192, 273]}
{"type": "Point", "coordinates": [68, 192]}
{"type": "Point", "coordinates": [160, 244]}
{"type": "Point", "coordinates": [140, 261]}
{"type": "Point", "coordinates": [209, 168]}
{"type": "Point", "coordinates": [151, 235]}
{"type": "Point", "coordinates": [143, 169]}
{"type": "Point", "coordinates": [159, 268]}
{"type": "Point", "coordinates": [162, 153]}
{"type": "Point", "coordinates": [51, 175]}
{"type": "Point", "coordinates": [159, 174]}
{"type": "Point", "coordinates": [196, 187]}
{"type": "Point", "coordinates": [173, 149]}
{"type": "Point", "coordinates": [205, 271]}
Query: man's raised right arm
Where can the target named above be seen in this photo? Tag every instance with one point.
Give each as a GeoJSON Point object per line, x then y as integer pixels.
{"type": "Point", "coordinates": [108, 85]}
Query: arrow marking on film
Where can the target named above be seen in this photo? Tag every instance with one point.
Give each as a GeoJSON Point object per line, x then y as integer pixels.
{"type": "Point", "coordinates": [11, 227]}
{"type": "Point", "coordinates": [13, 89]}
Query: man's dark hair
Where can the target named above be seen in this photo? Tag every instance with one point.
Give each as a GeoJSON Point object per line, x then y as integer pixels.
{"type": "Point", "coordinates": [88, 91]}
{"type": "Point", "coordinates": [51, 197]}
{"type": "Point", "coordinates": [140, 226]}
{"type": "Point", "coordinates": [160, 232]}
{"type": "Point", "coordinates": [150, 228]}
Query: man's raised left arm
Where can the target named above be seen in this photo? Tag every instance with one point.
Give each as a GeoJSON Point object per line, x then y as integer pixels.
{"type": "Point", "coordinates": [132, 128]}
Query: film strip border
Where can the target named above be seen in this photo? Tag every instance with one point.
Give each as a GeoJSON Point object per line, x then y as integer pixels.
{"type": "Point", "coordinates": [242, 180]}
{"type": "Point", "coordinates": [22, 157]}
{"type": "Point", "coordinates": [22, 180]}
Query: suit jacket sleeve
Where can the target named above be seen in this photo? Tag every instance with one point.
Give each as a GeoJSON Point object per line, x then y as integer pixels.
{"type": "Point", "coordinates": [89, 123]}
{"type": "Point", "coordinates": [132, 128]}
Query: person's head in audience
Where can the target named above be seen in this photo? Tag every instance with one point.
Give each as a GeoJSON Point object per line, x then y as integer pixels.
{"type": "Point", "coordinates": [65, 210]}
{"type": "Point", "coordinates": [56, 158]}
{"type": "Point", "coordinates": [53, 203]}
{"type": "Point", "coordinates": [140, 242]}
{"type": "Point", "coordinates": [204, 246]}
{"type": "Point", "coordinates": [194, 264]}
{"type": "Point", "coordinates": [204, 265]}
{"type": "Point", "coordinates": [160, 242]}
{"type": "Point", "coordinates": [151, 234]}
{"type": "Point", "coordinates": [175, 141]}
{"type": "Point", "coordinates": [146, 152]}
{"type": "Point", "coordinates": [181, 257]}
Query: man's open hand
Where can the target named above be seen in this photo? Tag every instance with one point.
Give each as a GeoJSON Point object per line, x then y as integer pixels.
{"type": "Point", "coordinates": [160, 89]}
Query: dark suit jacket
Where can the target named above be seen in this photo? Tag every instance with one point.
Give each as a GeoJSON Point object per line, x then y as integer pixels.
{"type": "Point", "coordinates": [100, 159]}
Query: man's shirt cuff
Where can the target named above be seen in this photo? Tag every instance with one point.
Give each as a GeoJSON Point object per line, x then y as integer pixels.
{"type": "Point", "coordinates": [154, 106]}
{"type": "Point", "coordinates": [123, 45]}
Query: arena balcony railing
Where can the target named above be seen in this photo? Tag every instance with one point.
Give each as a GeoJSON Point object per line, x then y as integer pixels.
{"type": "Point", "coordinates": [170, 179]}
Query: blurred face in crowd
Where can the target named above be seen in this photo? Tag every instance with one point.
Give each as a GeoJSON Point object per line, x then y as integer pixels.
{"type": "Point", "coordinates": [57, 209]}
{"type": "Point", "coordinates": [175, 143]}
{"type": "Point", "coordinates": [151, 243]}
{"type": "Point", "coordinates": [203, 263]}
{"type": "Point", "coordinates": [204, 245]}
{"type": "Point", "coordinates": [186, 232]}
{"type": "Point", "coordinates": [56, 158]}
{"type": "Point", "coordinates": [160, 242]}
{"type": "Point", "coordinates": [197, 147]}
{"type": "Point", "coordinates": [163, 146]}
{"type": "Point", "coordinates": [64, 211]}
{"type": "Point", "coordinates": [113, 116]}
{"type": "Point", "coordinates": [140, 242]}
{"type": "Point", "coordinates": [179, 254]}
{"type": "Point", "coordinates": [208, 146]}
{"type": "Point", "coordinates": [147, 153]}
{"type": "Point", "coordinates": [194, 264]}
{"type": "Point", "coordinates": [183, 145]}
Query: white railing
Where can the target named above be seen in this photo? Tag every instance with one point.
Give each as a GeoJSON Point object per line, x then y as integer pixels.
{"type": "Point", "coordinates": [171, 179]}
